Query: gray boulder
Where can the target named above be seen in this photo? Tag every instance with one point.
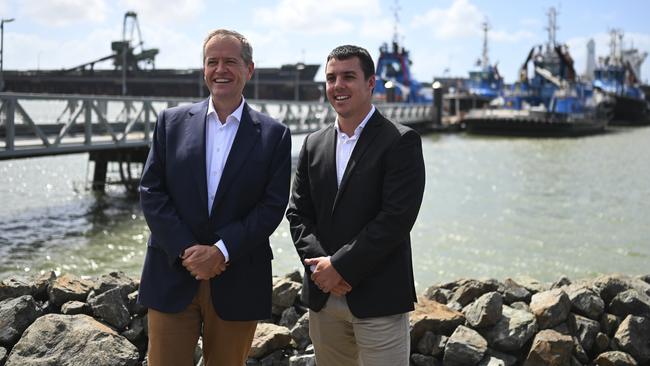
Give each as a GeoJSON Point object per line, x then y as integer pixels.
{"type": "Point", "coordinates": [3, 355]}
{"type": "Point", "coordinates": [614, 358]}
{"type": "Point", "coordinates": [585, 330]}
{"type": "Point", "coordinates": [75, 307]}
{"type": "Point", "coordinates": [550, 348]}
{"type": "Point", "coordinates": [304, 360]}
{"type": "Point", "coordinates": [110, 307]}
{"type": "Point", "coordinates": [68, 288]}
{"type": "Point", "coordinates": [300, 331]}
{"type": "Point", "coordinates": [609, 323]}
{"type": "Point", "coordinates": [284, 294]}
{"type": "Point", "coordinates": [630, 302]}
{"type": "Point", "coordinates": [586, 302]}
{"type": "Point", "coordinates": [16, 314]}
{"type": "Point", "coordinates": [471, 290]}
{"type": "Point", "coordinates": [432, 344]}
{"type": "Point", "coordinates": [435, 317]}
{"type": "Point", "coordinates": [15, 287]}
{"type": "Point", "coordinates": [269, 338]}
{"type": "Point", "coordinates": [113, 280]}
{"type": "Point", "coordinates": [514, 292]}
{"type": "Point", "coordinates": [423, 360]}
{"type": "Point", "coordinates": [72, 340]}
{"type": "Point", "coordinates": [550, 307]}
{"type": "Point", "coordinates": [485, 311]}
{"type": "Point", "coordinates": [633, 337]}
{"type": "Point", "coordinates": [464, 347]}
{"type": "Point", "coordinates": [512, 331]}
{"type": "Point", "coordinates": [289, 317]}
{"type": "Point", "coordinates": [438, 294]}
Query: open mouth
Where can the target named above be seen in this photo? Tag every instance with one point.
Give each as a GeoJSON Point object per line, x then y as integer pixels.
{"type": "Point", "coordinates": [341, 97]}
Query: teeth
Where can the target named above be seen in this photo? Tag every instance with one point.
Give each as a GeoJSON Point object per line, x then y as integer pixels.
{"type": "Point", "coordinates": [221, 80]}
{"type": "Point", "coordinates": [342, 97]}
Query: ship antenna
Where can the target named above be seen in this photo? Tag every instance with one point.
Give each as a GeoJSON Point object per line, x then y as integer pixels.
{"type": "Point", "coordinates": [552, 27]}
{"type": "Point", "coordinates": [485, 60]}
{"type": "Point", "coordinates": [396, 8]}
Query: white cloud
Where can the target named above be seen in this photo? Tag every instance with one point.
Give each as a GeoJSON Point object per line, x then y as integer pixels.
{"type": "Point", "coordinates": [62, 13]}
{"type": "Point", "coordinates": [461, 20]}
{"type": "Point", "coordinates": [510, 37]}
{"type": "Point", "coordinates": [313, 17]}
{"type": "Point", "coordinates": [170, 13]}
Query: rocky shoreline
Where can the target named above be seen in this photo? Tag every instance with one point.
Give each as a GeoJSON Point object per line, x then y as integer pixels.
{"type": "Point", "coordinates": [67, 320]}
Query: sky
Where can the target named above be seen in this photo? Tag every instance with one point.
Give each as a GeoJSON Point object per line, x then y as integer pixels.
{"type": "Point", "coordinates": [444, 37]}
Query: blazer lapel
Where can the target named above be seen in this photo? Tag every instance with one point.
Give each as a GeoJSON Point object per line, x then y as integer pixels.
{"type": "Point", "coordinates": [365, 140]}
{"type": "Point", "coordinates": [195, 132]}
{"type": "Point", "coordinates": [247, 136]}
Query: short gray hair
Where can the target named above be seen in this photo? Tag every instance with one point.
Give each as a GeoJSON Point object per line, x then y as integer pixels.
{"type": "Point", "coordinates": [246, 48]}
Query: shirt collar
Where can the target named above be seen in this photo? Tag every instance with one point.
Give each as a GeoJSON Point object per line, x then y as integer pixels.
{"type": "Point", "coordinates": [357, 131]}
{"type": "Point", "coordinates": [237, 113]}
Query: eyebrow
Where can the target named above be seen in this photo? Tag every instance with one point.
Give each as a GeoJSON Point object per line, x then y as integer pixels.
{"type": "Point", "coordinates": [344, 73]}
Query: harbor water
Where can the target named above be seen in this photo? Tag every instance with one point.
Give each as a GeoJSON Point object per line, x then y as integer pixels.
{"type": "Point", "coordinates": [493, 207]}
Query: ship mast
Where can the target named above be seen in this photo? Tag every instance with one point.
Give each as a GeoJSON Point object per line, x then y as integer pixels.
{"type": "Point", "coordinates": [552, 28]}
{"type": "Point", "coordinates": [396, 8]}
{"type": "Point", "coordinates": [485, 58]}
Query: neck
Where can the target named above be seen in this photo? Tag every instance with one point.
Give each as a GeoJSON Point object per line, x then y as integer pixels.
{"type": "Point", "coordinates": [224, 108]}
{"type": "Point", "coordinates": [349, 123]}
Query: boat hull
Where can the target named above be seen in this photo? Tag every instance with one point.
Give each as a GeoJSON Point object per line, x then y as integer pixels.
{"type": "Point", "coordinates": [630, 111]}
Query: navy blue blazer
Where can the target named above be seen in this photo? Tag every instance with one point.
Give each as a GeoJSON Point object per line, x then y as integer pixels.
{"type": "Point", "coordinates": [249, 204]}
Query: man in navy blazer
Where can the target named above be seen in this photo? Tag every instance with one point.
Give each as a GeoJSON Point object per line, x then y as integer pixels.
{"type": "Point", "coordinates": [214, 188]}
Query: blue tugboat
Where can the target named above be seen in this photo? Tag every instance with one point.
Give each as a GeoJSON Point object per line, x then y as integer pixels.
{"type": "Point", "coordinates": [551, 103]}
{"type": "Point", "coordinates": [486, 83]}
{"type": "Point", "coordinates": [616, 78]}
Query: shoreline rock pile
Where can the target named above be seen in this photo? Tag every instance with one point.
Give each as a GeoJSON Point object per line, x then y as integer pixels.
{"type": "Point", "coordinates": [70, 320]}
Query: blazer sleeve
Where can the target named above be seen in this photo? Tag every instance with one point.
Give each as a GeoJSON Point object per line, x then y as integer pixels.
{"type": "Point", "coordinates": [301, 213]}
{"type": "Point", "coordinates": [169, 232]}
{"type": "Point", "coordinates": [403, 189]}
{"type": "Point", "coordinates": [243, 235]}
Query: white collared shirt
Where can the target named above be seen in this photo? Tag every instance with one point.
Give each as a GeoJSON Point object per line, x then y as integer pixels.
{"type": "Point", "coordinates": [345, 145]}
{"type": "Point", "coordinates": [219, 137]}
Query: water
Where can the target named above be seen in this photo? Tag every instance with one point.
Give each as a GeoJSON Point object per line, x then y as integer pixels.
{"type": "Point", "coordinates": [493, 207]}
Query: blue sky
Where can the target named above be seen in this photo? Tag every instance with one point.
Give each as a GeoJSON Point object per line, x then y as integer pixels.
{"type": "Point", "coordinates": [441, 34]}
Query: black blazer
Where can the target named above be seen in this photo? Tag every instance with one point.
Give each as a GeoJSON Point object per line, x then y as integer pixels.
{"type": "Point", "coordinates": [365, 224]}
{"type": "Point", "coordinates": [248, 206]}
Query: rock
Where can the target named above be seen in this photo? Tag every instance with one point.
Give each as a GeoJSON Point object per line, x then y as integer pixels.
{"type": "Point", "coordinates": [3, 355]}
{"type": "Point", "coordinates": [514, 292]}
{"type": "Point", "coordinates": [71, 340]}
{"type": "Point", "coordinates": [585, 330]}
{"type": "Point", "coordinates": [633, 337]}
{"type": "Point", "coordinates": [464, 347]}
{"type": "Point", "coordinates": [15, 287]}
{"type": "Point", "coordinates": [75, 307]}
{"type": "Point", "coordinates": [284, 295]}
{"type": "Point", "coordinates": [133, 306]}
{"type": "Point", "coordinates": [485, 311]}
{"type": "Point", "coordinates": [304, 360]}
{"type": "Point", "coordinates": [115, 280]}
{"type": "Point", "coordinates": [507, 359]}
{"type": "Point", "coordinates": [135, 331]}
{"type": "Point", "coordinates": [470, 291]}
{"type": "Point", "coordinates": [423, 360]}
{"type": "Point", "coordinates": [608, 286]}
{"type": "Point", "coordinates": [438, 294]}
{"type": "Point", "coordinates": [579, 353]}
{"type": "Point", "coordinates": [609, 323]}
{"type": "Point", "coordinates": [645, 278]}
{"type": "Point", "coordinates": [491, 361]}
{"type": "Point", "coordinates": [268, 338]}
{"type": "Point", "coordinates": [520, 305]}
{"type": "Point", "coordinates": [512, 331]}
{"type": "Point", "coordinates": [630, 302]}
{"type": "Point", "coordinates": [531, 284]}
{"type": "Point", "coordinates": [300, 331]}
{"type": "Point", "coordinates": [602, 343]}
{"type": "Point", "coordinates": [550, 307]}
{"type": "Point", "coordinates": [277, 358]}
{"type": "Point", "coordinates": [550, 348]}
{"type": "Point", "coordinates": [454, 306]}
{"type": "Point", "coordinates": [431, 344]}
{"type": "Point", "coordinates": [68, 288]}
{"type": "Point", "coordinates": [294, 276]}
{"type": "Point", "coordinates": [16, 314]}
{"type": "Point", "coordinates": [614, 358]}
{"type": "Point", "coordinates": [41, 283]}
{"type": "Point", "coordinates": [110, 307]}
{"type": "Point", "coordinates": [561, 282]}
{"type": "Point", "coordinates": [432, 316]}
{"type": "Point", "coordinates": [586, 302]}
{"type": "Point", "coordinates": [289, 317]}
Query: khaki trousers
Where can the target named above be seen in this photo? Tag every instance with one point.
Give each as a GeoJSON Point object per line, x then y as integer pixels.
{"type": "Point", "coordinates": [341, 339]}
{"type": "Point", "coordinates": [173, 336]}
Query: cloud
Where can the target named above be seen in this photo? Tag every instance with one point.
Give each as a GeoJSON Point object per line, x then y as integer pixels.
{"type": "Point", "coordinates": [461, 20]}
{"type": "Point", "coordinates": [312, 17]}
{"type": "Point", "coordinates": [510, 37]}
{"type": "Point", "coordinates": [62, 13]}
{"type": "Point", "coordinates": [173, 13]}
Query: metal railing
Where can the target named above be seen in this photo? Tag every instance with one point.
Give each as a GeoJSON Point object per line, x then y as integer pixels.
{"type": "Point", "coordinates": [48, 124]}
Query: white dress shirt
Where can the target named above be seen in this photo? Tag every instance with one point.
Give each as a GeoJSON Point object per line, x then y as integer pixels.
{"type": "Point", "coordinates": [219, 137]}
{"type": "Point", "coordinates": [345, 145]}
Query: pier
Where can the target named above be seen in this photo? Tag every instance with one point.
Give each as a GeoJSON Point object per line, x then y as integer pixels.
{"type": "Point", "coordinates": [119, 129]}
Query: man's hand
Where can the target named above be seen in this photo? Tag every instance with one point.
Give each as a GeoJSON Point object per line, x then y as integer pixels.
{"type": "Point", "coordinates": [204, 261]}
{"type": "Point", "coordinates": [326, 277]}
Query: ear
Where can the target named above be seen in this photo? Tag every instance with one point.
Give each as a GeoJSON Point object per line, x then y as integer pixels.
{"type": "Point", "coordinates": [251, 69]}
{"type": "Point", "coordinates": [372, 82]}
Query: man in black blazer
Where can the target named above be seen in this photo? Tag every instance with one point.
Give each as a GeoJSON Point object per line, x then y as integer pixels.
{"type": "Point", "coordinates": [214, 188]}
{"type": "Point", "coordinates": [355, 197]}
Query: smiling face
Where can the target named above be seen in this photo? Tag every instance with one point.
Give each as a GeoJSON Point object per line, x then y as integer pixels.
{"type": "Point", "coordinates": [225, 71]}
{"type": "Point", "coordinates": [348, 90]}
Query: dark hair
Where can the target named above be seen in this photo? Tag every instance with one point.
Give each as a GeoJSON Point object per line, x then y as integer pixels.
{"type": "Point", "coordinates": [348, 51]}
{"type": "Point", "coordinates": [246, 48]}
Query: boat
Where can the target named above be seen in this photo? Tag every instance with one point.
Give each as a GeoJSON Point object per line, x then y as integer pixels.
{"type": "Point", "coordinates": [551, 103]}
{"type": "Point", "coordinates": [617, 76]}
